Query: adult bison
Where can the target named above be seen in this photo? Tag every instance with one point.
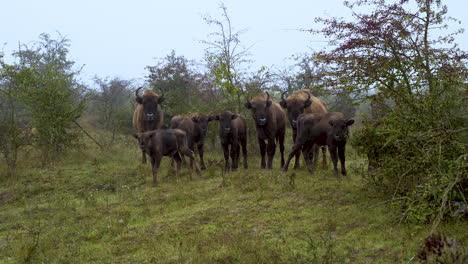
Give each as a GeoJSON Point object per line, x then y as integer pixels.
{"type": "Point", "coordinates": [165, 142]}
{"type": "Point", "coordinates": [196, 126]}
{"type": "Point", "coordinates": [329, 129]}
{"type": "Point", "coordinates": [148, 115]}
{"type": "Point", "coordinates": [233, 132]}
{"type": "Point", "coordinates": [270, 123]}
{"type": "Point", "coordinates": [302, 102]}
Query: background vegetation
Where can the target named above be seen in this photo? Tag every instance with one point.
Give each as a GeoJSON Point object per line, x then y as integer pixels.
{"type": "Point", "coordinates": [72, 184]}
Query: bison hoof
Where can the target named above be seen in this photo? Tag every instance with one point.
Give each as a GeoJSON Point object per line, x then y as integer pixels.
{"type": "Point", "coordinates": [203, 167]}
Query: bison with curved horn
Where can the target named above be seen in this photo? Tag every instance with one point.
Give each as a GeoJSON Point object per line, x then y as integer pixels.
{"type": "Point", "coordinates": [148, 115]}
{"type": "Point", "coordinates": [270, 120]}
{"type": "Point", "coordinates": [302, 102]}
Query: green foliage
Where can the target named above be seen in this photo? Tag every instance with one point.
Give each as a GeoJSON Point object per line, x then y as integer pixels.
{"type": "Point", "coordinates": [417, 151]}
{"type": "Point", "coordinates": [15, 130]}
{"type": "Point", "coordinates": [111, 107]}
{"type": "Point", "coordinates": [49, 88]}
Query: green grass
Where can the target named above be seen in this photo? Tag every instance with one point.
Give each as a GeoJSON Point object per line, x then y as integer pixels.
{"type": "Point", "coordinates": [95, 207]}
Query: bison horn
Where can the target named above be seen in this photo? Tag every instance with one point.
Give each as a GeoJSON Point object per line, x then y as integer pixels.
{"type": "Point", "coordinates": [282, 96]}
{"type": "Point", "coordinates": [136, 92]}
{"type": "Point", "coordinates": [268, 97]}
{"type": "Point", "coordinates": [308, 96]}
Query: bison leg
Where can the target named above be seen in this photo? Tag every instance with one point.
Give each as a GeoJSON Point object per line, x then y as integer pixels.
{"type": "Point", "coordinates": [315, 154]}
{"type": "Point", "coordinates": [308, 153]}
{"type": "Point", "coordinates": [143, 157]}
{"type": "Point", "coordinates": [200, 153]}
{"type": "Point", "coordinates": [235, 149]}
{"type": "Point", "coordinates": [296, 148]}
{"type": "Point", "coordinates": [324, 156]}
{"type": "Point", "coordinates": [298, 154]}
{"type": "Point", "coordinates": [281, 148]}
{"type": "Point", "coordinates": [271, 149]}
{"type": "Point", "coordinates": [186, 151]}
{"type": "Point", "coordinates": [155, 162]}
{"type": "Point", "coordinates": [334, 158]}
{"type": "Point", "coordinates": [341, 156]}
{"type": "Point", "coordinates": [178, 160]}
{"type": "Point", "coordinates": [192, 148]}
{"type": "Point", "coordinates": [235, 156]}
{"type": "Point", "coordinates": [226, 156]}
{"type": "Point", "coordinates": [244, 152]}
{"type": "Point", "coordinates": [262, 144]}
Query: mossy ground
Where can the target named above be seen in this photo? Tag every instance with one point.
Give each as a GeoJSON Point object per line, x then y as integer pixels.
{"type": "Point", "coordinates": [99, 207]}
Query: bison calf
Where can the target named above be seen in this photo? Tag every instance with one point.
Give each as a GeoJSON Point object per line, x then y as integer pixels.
{"type": "Point", "coordinates": [196, 126]}
{"type": "Point", "coordinates": [329, 129]}
{"type": "Point", "coordinates": [165, 142]}
{"type": "Point", "coordinates": [233, 132]}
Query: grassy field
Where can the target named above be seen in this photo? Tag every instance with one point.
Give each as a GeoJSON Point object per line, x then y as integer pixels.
{"type": "Point", "coordinates": [99, 207]}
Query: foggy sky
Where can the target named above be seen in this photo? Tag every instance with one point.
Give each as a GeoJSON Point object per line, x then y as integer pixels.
{"type": "Point", "coordinates": [120, 38]}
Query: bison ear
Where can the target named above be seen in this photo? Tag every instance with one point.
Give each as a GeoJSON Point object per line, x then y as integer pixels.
{"type": "Point", "coordinates": [195, 119]}
{"type": "Point", "coordinates": [160, 100]}
{"type": "Point", "coordinates": [284, 104]}
{"type": "Point", "coordinates": [234, 116]}
{"type": "Point", "coordinates": [307, 103]}
{"type": "Point", "coordinates": [139, 100]}
{"type": "Point", "coordinates": [349, 122]}
{"type": "Point", "coordinates": [135, 135]}
{"type": "Point", "coordinates": [248, 105]}
{"type": "Point", "coordinates": [268, 104]}
{"type": "Point", "coordinates": [331, 122]}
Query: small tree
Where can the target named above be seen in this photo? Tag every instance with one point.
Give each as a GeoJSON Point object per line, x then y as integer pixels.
{"type": "Point", "coordinates": [111, 105]}
{"type": "Point", "coordinates": [395, 50]}
{"type": "Point", "coordinates": [225, 58]}
{"type": "Point", "coordinates": [52, 94]}
{"type": "Point", "coordinates": [15, 130]}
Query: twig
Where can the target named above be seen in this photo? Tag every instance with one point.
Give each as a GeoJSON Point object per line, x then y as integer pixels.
{"type": "Point", "coordinates": [387, 201]}
{"type": "Point", "coordinates": [84, 131]}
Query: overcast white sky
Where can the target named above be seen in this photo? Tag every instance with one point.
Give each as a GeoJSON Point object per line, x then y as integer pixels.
{"type": "Point", "coordinates": [116, 38]}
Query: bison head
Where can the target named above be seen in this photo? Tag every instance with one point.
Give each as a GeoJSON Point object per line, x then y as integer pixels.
{"type": "Point", "coordinates": [144, 139]}
{"type": "Point", "coordinates": [150, 102]}
{"type": "Point", "coordinates": [340, 131]}
{"type": "Point", "coordinates": [202, 122]}
{"type": "Point", "coordinates": [225, 121]}
{"type": "Point", "coordinates": [259, 108]}
{"type": "Point", "coordinates": [295, 108]}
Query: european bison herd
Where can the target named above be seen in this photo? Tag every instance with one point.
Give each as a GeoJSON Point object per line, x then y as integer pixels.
{"type": "Point", "coordinates": [313, 128]}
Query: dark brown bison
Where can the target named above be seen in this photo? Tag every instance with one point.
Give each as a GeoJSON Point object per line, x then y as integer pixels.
{"type": "Point", "coordinates": [148, 115]}
{"type": "Point", "coordinates": [302, 102]}
{"type": "Point", "coordinates": [165, 142]}
{"type": "Point", "coordinates": [329, 129]}
{"type": "Point", "coordinates": [270, 123]}
{"type": "Point", "coordinates": [233, 132]}
{"type": "Point", "coordinates": [196, 126]}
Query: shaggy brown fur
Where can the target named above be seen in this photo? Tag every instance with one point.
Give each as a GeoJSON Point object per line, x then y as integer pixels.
{"type": "Point", "coordinates": [329, 129]}
{"type": "Point", "coordinates": [196, 126]}
{"type": "Point", "coordinates": [165, 142]}
{"type": "Point", "coordinates": [148, 115]}
{"type": "Point", "coordinates": [232, 133]}
{"type": "Point", "coordinates": [296, 104]}
{"type": "Point", "coordinates": [270, 120]}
